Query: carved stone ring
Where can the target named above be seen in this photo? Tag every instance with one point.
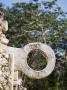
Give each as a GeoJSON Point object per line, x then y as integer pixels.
{"type": "Point", "coordinates": [50, 60]}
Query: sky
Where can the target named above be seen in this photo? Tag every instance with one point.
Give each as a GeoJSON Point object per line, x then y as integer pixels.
{"type": "Point", "coordinates": [62, 3]}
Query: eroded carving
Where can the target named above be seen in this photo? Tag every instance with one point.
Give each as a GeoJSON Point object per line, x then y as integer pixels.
{"type": "Point", "coordinates": [5, 71]}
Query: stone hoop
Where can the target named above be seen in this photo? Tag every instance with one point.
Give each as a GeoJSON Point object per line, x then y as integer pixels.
{"type": "Point", "coordinates": [50, 60]}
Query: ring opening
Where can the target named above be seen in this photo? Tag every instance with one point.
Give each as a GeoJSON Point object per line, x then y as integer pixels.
{"type": "Point", "coordinates": [37, 59]}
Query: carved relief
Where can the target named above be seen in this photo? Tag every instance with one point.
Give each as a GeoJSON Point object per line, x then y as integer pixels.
{"type": "Point", "coordinates": [5, 71]}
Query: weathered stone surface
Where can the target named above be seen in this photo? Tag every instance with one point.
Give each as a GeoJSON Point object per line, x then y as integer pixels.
{"type": "Point", "coordinates": [5, 71]}
{"type": "Point", "coordinates": [50, 61]}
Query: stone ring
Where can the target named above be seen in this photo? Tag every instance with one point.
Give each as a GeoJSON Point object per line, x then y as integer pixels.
{"type": "Point", "coordinates": [50, 60]}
